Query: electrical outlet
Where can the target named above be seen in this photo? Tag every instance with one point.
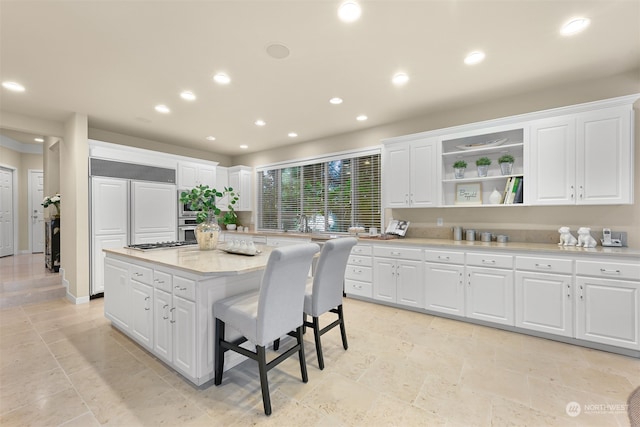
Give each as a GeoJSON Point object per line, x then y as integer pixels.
{"type": "Point", "coordinates": [439, 222]}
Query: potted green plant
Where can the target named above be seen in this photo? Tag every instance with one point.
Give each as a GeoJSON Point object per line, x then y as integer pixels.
{"type": "Point", "coordinates": [230, 218]}
{"type": "Point", "coordinates": [506, 164]}
{"type": "Point", "coordinates": [458, 168]}
{"type": "Point", "coordinates": [483, 166]}
{"type": "Point", "coordinates": [202, 199]}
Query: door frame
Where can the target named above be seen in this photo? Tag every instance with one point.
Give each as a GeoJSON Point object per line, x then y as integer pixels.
{"type": "Point", "coordinates": [14, 196]}
{"type": "Point", "coordinates": [30, 205]}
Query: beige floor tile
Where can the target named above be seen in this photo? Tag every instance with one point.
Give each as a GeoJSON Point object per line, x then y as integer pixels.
{"type": "Point", "coordinates": [84, 420]}
{"type": "Point", "coordinates": [286, 411]}
{"type": "Point", "coordinates": [388, 411]}
{"type": "Point", "coordinates": [615, 364]}
{"type": "Point", "coordinates": [453, 327]}
{"type": "Point", "coordinates": [398, 377]}
{"type": "Point", "coordinates": [509, 413]}
{"type": "Point", "coordinates": [595, 381]}
{"type": "Point", "coordinates": [495, 380]}
{"type": "Point", "coordinates": [47, 411]}
{"type": "Point", "coordinates": [29, 388]}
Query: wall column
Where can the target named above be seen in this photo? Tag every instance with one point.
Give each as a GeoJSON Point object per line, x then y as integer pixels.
{"type": "Point", "coordinates": [74, 207]}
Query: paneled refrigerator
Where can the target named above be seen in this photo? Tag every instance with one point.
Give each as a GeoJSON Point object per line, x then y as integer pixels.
{"type": "Point", "coordinates": [127, 211]}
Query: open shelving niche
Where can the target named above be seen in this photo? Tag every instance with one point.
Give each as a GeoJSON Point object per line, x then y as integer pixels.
{"type": "Point", "coordinates": [513, 145]}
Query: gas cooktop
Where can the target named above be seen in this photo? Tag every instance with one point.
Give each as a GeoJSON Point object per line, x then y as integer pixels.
{"type": "Point", "coordinates": [161, 245]}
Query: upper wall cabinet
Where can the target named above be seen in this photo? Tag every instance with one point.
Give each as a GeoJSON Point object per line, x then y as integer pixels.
{"type": "Point", "coordinates": [193, 174]}
{"type": "Point", "coordinates": [409, 173]}
{"type": "Point", "coordinates": [240, 181]}
{"type": "Point", "coordinates": [583, 158]}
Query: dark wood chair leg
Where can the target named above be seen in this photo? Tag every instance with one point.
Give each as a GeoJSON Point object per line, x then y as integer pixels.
{"type": "Point", "coordinates": [316, 334]}
{"type": "Point", "coordinates": [264, 383]}
{"type": "Point", "coordinates": [343, 331]}
{"type": "Point", "coordinates": [304, 323]}
{"type": "Point", "coordinates": [218, 353]}
{"type": "Point", "coordinates": [276, 344]}
{"type": "Point", "coordinates": [303, 361]}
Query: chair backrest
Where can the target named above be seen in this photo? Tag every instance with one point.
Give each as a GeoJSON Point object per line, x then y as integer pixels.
{"type": "Point", "coordinates": [281, 301]}
{"type": "Point", "coordinates": [328, 279]}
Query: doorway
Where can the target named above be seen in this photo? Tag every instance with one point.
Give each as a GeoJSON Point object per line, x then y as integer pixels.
{"type": "Point", "coordinates": [36, 223]}
{"type": "Point", "coordinates": [6, 212]}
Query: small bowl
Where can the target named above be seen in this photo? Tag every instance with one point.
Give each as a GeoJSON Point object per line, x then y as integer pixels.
{"type": "Point", "coordinates": [501, 238]}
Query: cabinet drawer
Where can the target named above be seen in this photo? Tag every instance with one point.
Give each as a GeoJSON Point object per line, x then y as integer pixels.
{"type": "Point", "coordinates": [398, 252]}
{"type": "Point", "coordinates": [443, 256]}
{"type": "Point", "coordinates": [141, 274]}
{"type": "Point", "coordinates": [547, 265]}
{"type": "Point", "coordinates": [358, 273]}
{"type": "Point", "coordinates": [162, 281]}
{"type": "Point", "coordinates": [361, 250]}
{"type": "Point", "coordinates": [184, 288]}
{"type": "Point", "coordinates": [355, 260]}
{"type": "Point", "coordinates": [362, 289]}
{"type": "Point", "coordinates": [490, 260]}
{"type": "Point", "coordinates": [609, 270]}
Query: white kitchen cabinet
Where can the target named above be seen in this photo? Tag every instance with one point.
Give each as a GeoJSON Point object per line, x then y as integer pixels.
{"type": "Point", "coordinates": [398, 276]}
{"type": "Point", "coordinates": [222, 181]}
{"type": "Point", "coordinates": [584, 158]}
{"type": "Point", "coordinates": [358, 277]}
{"type": "Point", "coordinates": [193, 174]}
{"type": "Point", "coordinates": [444, 282]}
{"type": "Point", "coordinates": [117, 295]}
{"type": "Point", "coordinates": [184, 335]}
{"type": "Point", "coordinates": [240, 179]}
{"type": "Point", "coordinates": [285, 241]}
{"type": "Point", "coordinates": [159, 199]}
{"type": "Point", "coordinates": [608, 303]}
{"type": "Point", "coordinates": [142, 313]}
{"type": "Point", "coordinates": [162, 325]}
{"type": "Point", "coordinates": [101, 242]}
{"type": "Point", "coordinates": [489, 294]}
{"type": "Point", "coordinates": [409, 174]}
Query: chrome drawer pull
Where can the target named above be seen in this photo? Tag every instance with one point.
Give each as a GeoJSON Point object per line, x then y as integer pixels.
{"type": "Point", "coordinates": [357, 286]}
{"type": "Point", "coordinates": [180, 289]}
{"type": "Point", "coordinates": [138, 274]}
{"type": "Point", "coordinates": [605, 271]}
{"type": "Point", "coordinates": [488, 261]}
{"type": "Point", "coordinates": [396, 253]}
{"type": "Point", "coordinates": [543, 265]}
{"type": "Point", "coordinates": [159, 281]}
{"type": "Point", "coordinates": [446, 258]}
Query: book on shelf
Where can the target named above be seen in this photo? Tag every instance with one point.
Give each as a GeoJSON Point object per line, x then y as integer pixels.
{"type": "Point", "coordinates": [507, 190]}
{"type": "Point", "coordinates": [512, 186]}
{"type": "Point", "coordinates": [519, 191]}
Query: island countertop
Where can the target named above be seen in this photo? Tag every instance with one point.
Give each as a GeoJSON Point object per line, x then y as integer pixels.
{"type": "Point", "coordinates": [193, 260]}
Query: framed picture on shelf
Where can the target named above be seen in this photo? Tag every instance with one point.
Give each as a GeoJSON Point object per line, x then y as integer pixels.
{"type": "Point", "coordinates": [469, 193]}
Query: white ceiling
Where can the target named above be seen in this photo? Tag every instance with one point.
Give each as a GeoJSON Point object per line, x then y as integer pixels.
{"type": "Point", "coordinates": [114, 61]}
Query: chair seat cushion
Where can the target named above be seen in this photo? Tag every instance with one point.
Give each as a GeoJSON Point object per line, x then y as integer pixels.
{"type": "Point", "coordinates": [241, 311]}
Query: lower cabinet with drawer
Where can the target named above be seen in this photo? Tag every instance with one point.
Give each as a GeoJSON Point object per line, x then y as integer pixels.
{"type": "Point", "coordinates": [608, 303]}
{"type": "Point", "coordinates": [489, 290]}
{"type": "Point", "coordinates": [444, 282]}
{"type": "Point", "coordinates": [544, 295]}
{"type": "Point", "coordinates": [398, 275]}
{"type": "Point", "coordinates": [359, 272]}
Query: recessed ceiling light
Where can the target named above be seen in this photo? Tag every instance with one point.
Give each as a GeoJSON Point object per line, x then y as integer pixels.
{"type": "Point", "coordinates": [211, 138]}
{"type": "Point", "coordinates": [188, 95]}
{"type": "Point", "coordinates": [244, 147]}
{"type": "Point", "coordinates": [336, 101]}
{"type": "Point", "coordinates": [13, 86]}
{"type": "Point", "coordinates": [292, 134]}
{"type": "Point", "coordinates": [349, 11]}
{"type": "Point", "coordinates": [277, 51]}
{"type": "Point", "coordinates": [222, 78]}
{"type": "Point", "coordinates": [361, 118]}
{"type": "Point", "coordinates": [574, 26]}
{"type": "Point", "coordinates": [400, 79]}
{"type": "Point", "coordinates": [38, 139]}
{"type": "Point", "coordinates": [474, 58]}
{"type": "Point", "coordinates": [161, 108]}
{"type": "Point", "coordinates": [260, 122]}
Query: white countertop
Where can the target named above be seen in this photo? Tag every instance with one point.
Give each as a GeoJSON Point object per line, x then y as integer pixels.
{"type": "Point", "coordinates": [193, 260]}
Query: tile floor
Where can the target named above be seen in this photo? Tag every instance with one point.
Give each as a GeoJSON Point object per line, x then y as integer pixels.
{"type": "Point", "coordinates": [63, 364]}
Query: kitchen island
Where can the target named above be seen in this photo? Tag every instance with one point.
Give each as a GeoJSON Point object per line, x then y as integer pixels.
{"type": "Point", "coordinates": [163, 300]}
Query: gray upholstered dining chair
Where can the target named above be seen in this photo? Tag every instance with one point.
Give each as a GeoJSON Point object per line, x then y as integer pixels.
{"type": "Point", "coordinates": [324, 291]}
{"type": "Point", "coordinates": [262, 316]}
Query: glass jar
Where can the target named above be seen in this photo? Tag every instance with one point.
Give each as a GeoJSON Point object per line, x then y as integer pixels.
{"type": "Point", "coordinates": [207, 233]}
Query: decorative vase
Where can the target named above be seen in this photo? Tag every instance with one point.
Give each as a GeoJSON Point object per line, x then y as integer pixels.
{"type": "Point", "coordinates": [207, 233]}
{"type": "Point", "coordinates": [495, 197]}
{"type": "Point", "coordinates": [506, 168]}
{"type": "Point", "coordinates": [459, 172]}
{"type": "Point", "coordinates": [482, 170]}
{"type": "Point", "coordinates": [231, 227]}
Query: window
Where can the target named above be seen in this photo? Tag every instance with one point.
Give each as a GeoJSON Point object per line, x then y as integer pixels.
{"type": "Point", "coordinates": [334, 195]}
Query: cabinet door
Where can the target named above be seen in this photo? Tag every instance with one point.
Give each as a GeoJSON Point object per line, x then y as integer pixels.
{"type": "Point", "coordinates": [607, 312]}
{"type": "Point", "coordinates": [444, 288]}
{"type": "Point", "coordinates": [222, 181]}
{"type": "Point", "coordinates": [544, 302]}
{"type": "Point", "coordinates": [162, 326]}
{"type": "Point", "coordinates": [384, 279]}
{"type": "Point", "coordinates": [489, 295]}
{"type": "Point", "coordinates": [184, 336]}
{"type": "Point", "coordinates": [552, 149]}
{"type": "Point", "coordinates": [604, 166]}
{"type": "Point", "coordinates": [142, 313]}
{"type": "Point", "coordinates": [187, 175]}
{"type": "Point", "coordinates": [207, 176]}
{"type": "Point", "coordinates": [116, 293]}
{"type": "Point", "coordinates": [109, 201]}
{"type": "Point", "coordinates": [98, 258]}
{"type": "Point", "coordinates": [410, 286]}
{"type": "Point", "coordinates": [396, 179]}
{"type": "Point", "coordinates": [423, 173]}
{"type": "Point", "coordinates": [154, 209]}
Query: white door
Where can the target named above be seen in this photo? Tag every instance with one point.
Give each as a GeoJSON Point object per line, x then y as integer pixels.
{"type": "Point", "coordinates": [184, 338]}
{"type": "Point", "coordinates": [154, 215]}
{"type": "Point", "coordinates": [142, 313]}
{"type": "Point", "coordinates": [423, 173]}
{"type": "Point", "coordinates": [109, 206]}
{"type": "Point", "coordinates": [384, 279]}
{"type": "Point", "coordinates": [396, 181]}
{"type": "Point", "coordinates": [162, 326]}
{"type": "Point", "coordinates": [36, 191]}
{"type": "Point", "coordinates": [489, 295]}
{"type": "Point", "coordinates": [444, 288]}
{"type": "Point", "coordinates": [6, 212]}
{"type": "Point", "coordinates": [410, 286]}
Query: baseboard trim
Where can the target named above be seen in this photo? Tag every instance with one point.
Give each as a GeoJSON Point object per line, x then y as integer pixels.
{"type": "Point", "coordinates": [71, 298]}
